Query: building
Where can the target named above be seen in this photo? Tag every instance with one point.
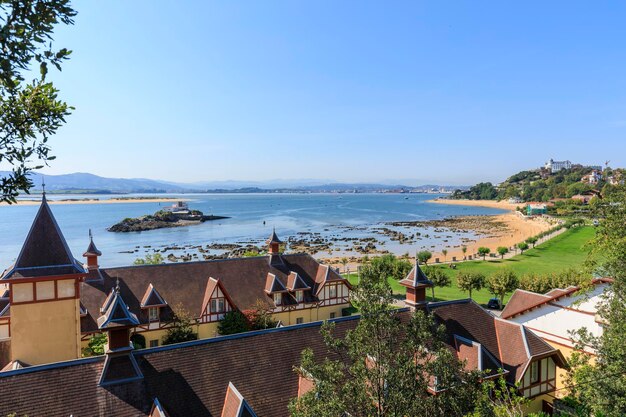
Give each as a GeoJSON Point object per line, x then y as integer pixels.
{"type": "Point", "coordinates": [594, 177]}
{"type": "Point", "coordinates": [52, 304]}
{"type": "Point", "coordinates": [556, 166]}
{"type": "Point", "coordinates": [252, 374]}
{"type": "Point", "coordinates": [536, 209]}
{"type": "Point", "coordinates": [552, 316]}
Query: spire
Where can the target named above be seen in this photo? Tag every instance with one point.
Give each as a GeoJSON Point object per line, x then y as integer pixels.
{"type": "Point", "coordinates": [416, 282]}
{"type": "Point", "coordinates": [92, 250]}
{"type": "Point", "coordinates": [45, 251]}
{"type": "Point", "coordinates": [273, 238]}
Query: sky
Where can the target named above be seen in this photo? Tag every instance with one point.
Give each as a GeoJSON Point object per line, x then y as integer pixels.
{"type": "Point", "coordinates": [451, 92]}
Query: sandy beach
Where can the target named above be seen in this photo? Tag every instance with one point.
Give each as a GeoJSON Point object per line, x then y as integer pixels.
{"type": "Point", "coordinates": [36, 202]}
{"type": "Point", "coordinates": [506, 230]}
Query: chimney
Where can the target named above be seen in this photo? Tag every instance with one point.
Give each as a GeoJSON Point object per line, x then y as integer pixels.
{"type": "Point", "coordinates": [416, 283]}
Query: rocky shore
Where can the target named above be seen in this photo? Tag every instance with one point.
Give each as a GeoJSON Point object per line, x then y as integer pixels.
{"type": "Point", "coordinates": [161, 219]}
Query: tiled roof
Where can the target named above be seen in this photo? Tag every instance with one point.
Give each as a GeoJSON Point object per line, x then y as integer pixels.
{"type": "Point", "coordinates": [117, 314]}
{"type": "Point", "coordinates": [511, 345]}
{"type": "Point", "coordinates": [243, 280]}
{"type": "Point", "coordinates": [92, 250]}
{"type": "Point", "coordinates": [45, 251]}
{"type": "Point", "coordinates": [189, 379]}
{"type": "Point", "coordinates": [416, 278]}
{"type": "Point", "coordinates": [522, 301]}
{"type": "Point", "coordinates": [152, 298]}
{"type": "Point", "coordinates": [273, 238]}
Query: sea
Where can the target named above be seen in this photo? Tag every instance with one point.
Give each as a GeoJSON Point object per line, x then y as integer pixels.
{"type": "Point", "coordinates": [340, 218]}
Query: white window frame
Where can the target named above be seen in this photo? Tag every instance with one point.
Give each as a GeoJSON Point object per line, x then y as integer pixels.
{"type": "Point", "coordinates": [331, 288]}
{"type": "Point", "coordinates": [299, 296]}
{"type": "Point", "coordinates": [278, 298]}
{"type": "Point", "coordinates": [153, 313]}
{"type": "Point", "coordinates": [218, 305]}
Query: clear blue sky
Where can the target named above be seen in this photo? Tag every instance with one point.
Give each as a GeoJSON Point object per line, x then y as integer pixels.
{"type": "Point", "coordinates": [445, 91]}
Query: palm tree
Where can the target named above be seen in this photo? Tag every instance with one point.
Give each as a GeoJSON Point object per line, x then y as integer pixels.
{"type": "Point", "coordinates": [464, 250]}
{"type": "Point", "coordinates": [344, 262]}
{"type": "Point", "coordinates": [445, 253]}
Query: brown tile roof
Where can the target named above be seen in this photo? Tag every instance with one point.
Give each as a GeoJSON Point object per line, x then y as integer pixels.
{"type": "Point", "coordinates": [522, 301]}
{"type": "Point", "coordinates": [508, 345]}
{"type": "Point", "coordinates": [117, 314]}
{"type": "Point", "coordinates": [243, 280]}
{"type": "Point", "coordinates": [416, 278]}
{"type": "Point", "coordinates": [45, 251]}
{"type": "Point", "coordinates": [92, 250]}
{"type": "Point", "coordinates": [189, 379]}
{"type": "Point", "coordinates": [152, 298]}
{"type": "Point", "coordinates": [235, 405]}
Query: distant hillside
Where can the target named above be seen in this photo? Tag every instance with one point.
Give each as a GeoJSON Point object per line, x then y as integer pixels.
{"type": "Point", "coordinates": [543, 185]}
{"type": "Point", "coordinates": [85, 183]}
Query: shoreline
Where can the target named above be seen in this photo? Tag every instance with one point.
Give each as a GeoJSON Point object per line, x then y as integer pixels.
{"type": "Point", "coordinates": [94, 201]}
{"type": "Point", "coordinates": [506, 229]}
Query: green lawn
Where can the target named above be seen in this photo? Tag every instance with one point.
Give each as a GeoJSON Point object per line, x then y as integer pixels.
{"type": "Point", "coordinates": [560, 253]}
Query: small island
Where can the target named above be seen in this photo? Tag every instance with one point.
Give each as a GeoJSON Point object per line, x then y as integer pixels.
{"type": "Point", "coordinates": [177, 215]}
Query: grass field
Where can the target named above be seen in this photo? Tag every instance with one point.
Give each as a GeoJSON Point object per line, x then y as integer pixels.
{"type": "Point", "coordinates": [560, 253]}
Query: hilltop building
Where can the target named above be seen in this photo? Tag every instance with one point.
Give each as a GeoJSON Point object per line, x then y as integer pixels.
{"type": "Point", "coordinates": [556, 166]}
{"type": "Point", "coordinates": [592, 178]}
{"type": "Point", "coordinates": [552, 316]}
{"type": "Point", "coordinates": [51, 304]}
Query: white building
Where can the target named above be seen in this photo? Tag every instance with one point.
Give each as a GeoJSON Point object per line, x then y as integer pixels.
{"type": "Point", "coordinates": [553, 315]}
{"type": "Point", "coordinates": [555, 166]}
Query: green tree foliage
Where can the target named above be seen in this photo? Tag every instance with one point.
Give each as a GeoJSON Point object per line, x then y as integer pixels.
{"type": "Point", "coordinates": [481, 191]}
{"type": "Point", "coordinates": [522, 246]}
{"type": "Point", "coordinates": [424, 256]}
{"type": "Point", "coordinates": [502, 250]}
{"type": "Point", "coordinates": [502, 281]}
{"type": "Point", "coordinates": [30, 111]}
{"type": "Point", "coordinates": [233, 322]}
{"type": "Point", "coordinates": [499, 399]}
{"type": "Point", "coordinates": [438, 277]}
{"type": "Point", "coordinates": [384, 366]}
{"type": "Point", "coordinates": [532, 240]}
{"type": "Point", "coordinates": [149, 259]}
{"type": "Point", "coordinates": [469, 281]}
{"type": "Point", "coordinates": [542, 283]}
{"type": "Point", "coordinates": [444, 252]}
{"type": "Point", "coordinates": [390, 266]}
{"type": "Point", "coordinates": [483, 251]}
{"type": "Point", "coordinates": [181, 329]}
{"type": "Point", "coordinates": [601, 387]}
{"type": "Point", "coordinates": [95, 346]}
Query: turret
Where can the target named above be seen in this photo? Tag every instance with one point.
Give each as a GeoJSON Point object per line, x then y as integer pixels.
{"type": "Point", "coordinates": [416, 283]}
{"type": "Point", "coordinates": [274, 244]}
{"type": "Point", "coordinates": [92, 253]}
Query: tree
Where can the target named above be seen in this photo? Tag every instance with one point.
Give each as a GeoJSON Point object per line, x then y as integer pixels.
{"type": "Point", "coordinates": [532, 240]}
{"type": "Point", "coordinates": [468, 281]}
{"type": "Point", "coordinates": [522, 246]}
{"type": "Point", "coordinates": [390, 266]}
{"type": "Point", "coordinates": [153, 259]}
{"type": "Point", "coordinates": [438, 277]}
{"type": "Point", "coordinates": [181, 329]}
{"type": "Point", "coordinates": [234, 321]}
{"type": "Point", "coordinates": [464, 250]}
{"type": "Point", "coordinates": [483, 251]}
{"type": "Point", "coordinates": [384, 366]}
{"type": "Point", "coordinates": [95, 346]}
{"type": "Point", "coordinates": [444, 252]}
{"type": "Point", "coordinates": [344, 262]}
{"type": "Point", "coordinates": [260, 317]}
{"type": "Point", "coordinates": [424, 256]}
{"type": "Point", "coordinates": [498, 399]}
{"type": "Point", "coordinates": [601, 387]}
{"type": "Point", "coordinates": [502, 281]}
{"type": "Point", "coordinates": [502, 250]}
{"type": "Point", "coordinates": [31, 111]}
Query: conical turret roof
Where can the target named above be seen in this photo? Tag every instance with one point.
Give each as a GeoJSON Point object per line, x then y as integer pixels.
{"type": "Point", "coordinates": [273, 238]}
{"type": "Point", "coordinates": [92, 250]}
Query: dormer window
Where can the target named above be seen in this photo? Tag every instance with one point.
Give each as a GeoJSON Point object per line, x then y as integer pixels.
{"type": "Point", "coordinates": [332, 291]}
{"type": "Point", "coordinates": [153, 314]}
{"type": "Point", "coordinates": [217, 305]}
{"type": "Point", "coordinates": [278, 298]}
{"type": "Point", "coordinates": [299, 296]}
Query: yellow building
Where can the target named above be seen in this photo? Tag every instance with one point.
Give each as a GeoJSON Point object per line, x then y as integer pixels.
{"type": "Point", "coordinates": [55, 304]}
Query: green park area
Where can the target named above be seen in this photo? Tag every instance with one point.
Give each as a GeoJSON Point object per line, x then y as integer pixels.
{"type": "Point", "coordinates": [564, 252]}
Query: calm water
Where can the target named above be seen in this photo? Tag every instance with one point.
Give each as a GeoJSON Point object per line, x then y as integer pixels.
{"type": "Point", "coordinates": [355, 215]}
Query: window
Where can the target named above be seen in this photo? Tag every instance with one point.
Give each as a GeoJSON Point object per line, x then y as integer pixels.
{"type": "Point", "coordinates": [278, 298]}
{"type": "Point", "coordinates": [153, 314]}
{"type": "Point", "coordinates": [154, 343]}
{"type": "Point", "coordinates": [299, 320]}
{"type": "Point", "coordinates": [299, 296]}
{"type": "Point", "coordinates": [534, 372]}
{"type": "Point", "coordinates": [217, 305]}
{"type": "Point", "coordinates": [332, 315]}
{"type": "Point", "coordinates": [332, 291]}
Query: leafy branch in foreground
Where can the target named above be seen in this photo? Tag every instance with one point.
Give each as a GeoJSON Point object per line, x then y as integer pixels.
{"type": "Point", "coordinates": [30, 112]}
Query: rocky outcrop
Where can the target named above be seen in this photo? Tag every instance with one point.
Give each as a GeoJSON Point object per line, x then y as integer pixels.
{"type": "Point", "coordinates": [160, 220]}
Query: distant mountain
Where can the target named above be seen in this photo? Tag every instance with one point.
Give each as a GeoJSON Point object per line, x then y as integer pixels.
{"type": "Point", "coordinates": [84, 183]}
